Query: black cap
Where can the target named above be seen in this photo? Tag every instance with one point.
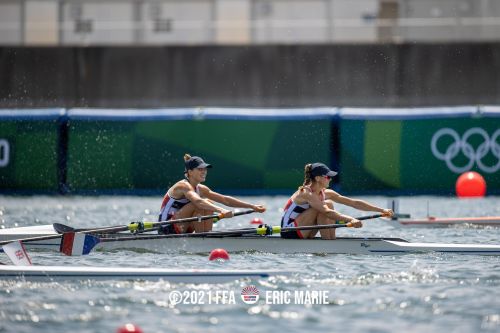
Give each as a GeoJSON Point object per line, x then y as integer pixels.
{"type": "Point", "coordinates": [319, 169]}
{"type": "Point", "coordinates": [196, 162]}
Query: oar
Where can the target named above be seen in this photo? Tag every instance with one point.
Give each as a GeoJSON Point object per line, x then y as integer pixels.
{"type": "Point", "coordinates": [132, 226]}
{"type": "Point", "coordinates": [261, 230]}
{"type": "Point", "coordinates": [138, 227]}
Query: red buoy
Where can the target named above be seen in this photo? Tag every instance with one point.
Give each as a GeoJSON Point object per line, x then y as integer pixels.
{"type": "Point", "coordinates": [129, 328]}
{"type": "Point", "coordinates": [218, 254]}
{"type": "Point", "coordinates": [257, 220]}
{"type": "Point", "coordinates": [470, 184]}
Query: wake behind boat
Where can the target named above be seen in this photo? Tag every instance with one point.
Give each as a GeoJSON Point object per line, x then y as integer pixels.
{"type": "Point", "coordinates": [269, 244]}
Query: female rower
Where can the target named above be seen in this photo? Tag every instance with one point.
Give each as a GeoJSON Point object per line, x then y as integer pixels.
{"type": "Point", "coordinates": [188, 198]}
{"type": "Point", "coordinates": [313, 204]}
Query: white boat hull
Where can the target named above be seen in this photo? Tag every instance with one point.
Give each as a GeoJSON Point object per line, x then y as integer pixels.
{"type": "Point", "coordinates": [65, 273]}
{"type": "Point", "coordinates": [279, 245]}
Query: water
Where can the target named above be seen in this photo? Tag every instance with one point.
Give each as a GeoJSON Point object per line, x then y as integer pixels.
{"type": "Point", "coordinates": [416, 292]}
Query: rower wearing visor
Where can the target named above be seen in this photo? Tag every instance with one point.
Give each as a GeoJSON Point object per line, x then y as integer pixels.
{"type": "Point", "coordinates": [189, 198]}
{"type": "Point", "coordinates": [313, 204]}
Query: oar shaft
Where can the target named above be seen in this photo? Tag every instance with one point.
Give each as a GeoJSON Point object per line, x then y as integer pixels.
{"type": "Point", "coordinates": [148, 226]}
{"type": "Point", "coordinates": [139, 227]}
{"type": "Point", "coordinates": [188, 235]}
{"type": "Point", "coordinates": [31, 239]}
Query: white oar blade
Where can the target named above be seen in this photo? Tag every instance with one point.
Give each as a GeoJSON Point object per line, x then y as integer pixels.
{"type": "Point", "coordinates": [77, 244]}
{"type": "Point", "coordinates": [17, 253]}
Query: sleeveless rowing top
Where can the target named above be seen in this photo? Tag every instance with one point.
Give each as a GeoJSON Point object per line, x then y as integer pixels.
{"type": "Point", "coordinates": [170, 206]}
{"type": "Point", "coordinates": [292, 210]}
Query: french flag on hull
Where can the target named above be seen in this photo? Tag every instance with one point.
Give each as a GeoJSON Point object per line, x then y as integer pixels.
{"type": "Point", "coordinates": [77, 244]}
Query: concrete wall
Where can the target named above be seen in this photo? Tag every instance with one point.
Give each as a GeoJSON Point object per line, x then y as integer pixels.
{"type": "Point", "coordinates": [262, 76]}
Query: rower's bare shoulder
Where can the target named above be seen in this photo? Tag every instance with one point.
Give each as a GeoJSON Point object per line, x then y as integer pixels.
{"type": "Point", "coordinates": [301, 196]}
{"type": "Point", "coordinates": [182, 187]}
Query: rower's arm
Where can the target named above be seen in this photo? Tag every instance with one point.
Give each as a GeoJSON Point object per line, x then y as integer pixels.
{"type": "Point", "coordinates": [321, 207]}
{"type": "Point", "coordinates": [231, 201]}
{"type": "Point", "coordinates": [356, 203]}
{"type": "Point", "coordinates": [201, 203]}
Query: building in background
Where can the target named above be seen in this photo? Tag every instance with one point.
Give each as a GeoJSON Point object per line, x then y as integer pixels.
{"type": "Point", "coordinates": [207, 22]}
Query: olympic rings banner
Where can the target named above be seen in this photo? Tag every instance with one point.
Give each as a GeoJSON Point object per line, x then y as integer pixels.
{"type": "Point", "coordinates": [418, 155]}
{"type": "Point", "coordinates": [464, 145]}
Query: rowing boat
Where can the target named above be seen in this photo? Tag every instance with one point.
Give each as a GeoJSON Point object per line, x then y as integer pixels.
{"type": "Point", "coordinates": [65, 273]}
{"type": "Point", "coordinates": [444, 222]}
{"type": "Point", "coordinates": [270, 244]}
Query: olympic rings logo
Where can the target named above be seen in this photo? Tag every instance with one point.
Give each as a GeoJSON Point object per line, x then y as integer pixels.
{"type": "Point", "coordinates": [462, 145]}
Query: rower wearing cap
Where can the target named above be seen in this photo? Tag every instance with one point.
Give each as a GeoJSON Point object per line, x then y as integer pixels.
{"type": "Point", "coordinates": [188, 198]}
{"type": "Point", "coordinates": [313, 204]}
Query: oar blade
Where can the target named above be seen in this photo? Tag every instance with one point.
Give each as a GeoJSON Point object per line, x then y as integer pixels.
{"type": "Point", "coordinates": [77, 244]}
{"type": "Point", "coordinates": [62, 228]}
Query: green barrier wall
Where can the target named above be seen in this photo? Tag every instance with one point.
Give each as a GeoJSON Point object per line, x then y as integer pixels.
{"type": "Point", "coordinates": [405, 150]}
{"type": "Point", "coordinates": [400, 154]}
{"type": "Point", "coordinates": [29, 150]}
{"type": "Point", "coordinates": [246, 154]}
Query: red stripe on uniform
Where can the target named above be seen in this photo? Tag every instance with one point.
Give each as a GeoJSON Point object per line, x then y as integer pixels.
{"type": "Point", "coordinates": [288, 204]}
{"type": "Point", "coordinates": [166, 198]}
